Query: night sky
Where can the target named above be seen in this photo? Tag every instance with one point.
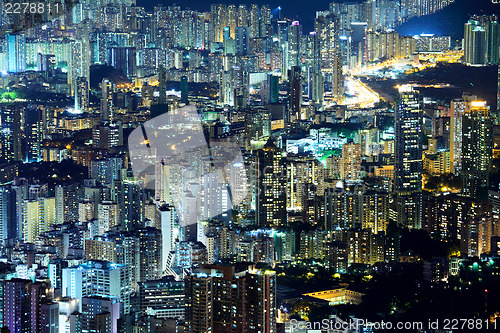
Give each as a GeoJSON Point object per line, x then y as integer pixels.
{"type": "Point", "coordinates": [448, 22]}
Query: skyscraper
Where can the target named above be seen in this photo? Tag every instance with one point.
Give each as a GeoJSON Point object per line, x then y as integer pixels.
{"type": "Point", "coordinates": [338, 78]}
{"type": "Point", "coordinates": [81, 94]}
{"type": "Point", "coordinates": [294, 36]}
{"type": "Point", "coordinates": [10, 134]}
{"type": "Point", "coordinates": [474, 43]}
{"type": "Point", "coordinates": [294, 94]}
{"type": "Point", "coordinates": [458, 109]}
{"type": "Point", "coordinates": [79, 61]}
{"type": "Point", "coordinates": [272, 85]}
{"type": "Point", "coordinates": [219, 22]}
{"type": "Point", "coordinates": [16, 302]}
{"type": "Point", "coordinates": [170, 233]}
{"type": "Point", "coordinates": [265, 21]}
{"type": "Point", "coordinates": [316, 89]}
{"type": "Point", "coordinates": [408, 157]}
{"type": "Point", "coordinates": [242, 40]}
{"type": "Point", "coordinates": [150, 242]}
{"type": "Point", "coordinates": [242, 16]}
{"type": "Point", "coordinates": [49, 317]}
{"type": "Point", "coordinates": [497, 118]}
{"type": "Point", "coordinates": [270, 185]}
{"type": "Point", "coordinates": [16, 53]}
{"type": "Point", "coordinates": [33, 130]}
{"type": "Point", "coordinates": [98, 277]}
{"type": "Point", "coordinates": [107, 88]}
{"type": "Point", "coordinates": [164, 296]}
{"type": "Point", "coordinates": [254, 21]}
{"type": "Point", "coordinates": [107, 136]}
{"type": "Point", "coordinates": [8, 225]}
{"type": "Point", "coordinates": [232, 20]}
{"type": "Point", "coordinates": [100, 314]}
{"type": "Point", "coordinates": [326, 27]}
{"type": "Point", "coordinates": [37, 216]}
{"type": "Point", "coordinates": [123, 59]}
{"type": "Point", "coordinates": [477, 144]}
{"type": "Point", "coordinates": [162, 82]}
{"type": "Point", "coordinates": [351, 161]}
{"type": "Point", "coordinates": [493, 42]}
{"type": "Point", "coordinates": [184, 90]}
{"type": "Point", "coordinates": [219, 299]}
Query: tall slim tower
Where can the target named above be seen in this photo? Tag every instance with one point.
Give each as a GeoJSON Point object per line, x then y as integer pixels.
{"type": "Point", "coordinates": [474, 43]}
{"type": "Point", "coordinates": [242, 16]}
{"type": "Point", "coordinates": [7, 213]}
{"type": "Point", "coordinates": [497, 118]}
{"type": "Point", "coordinates": [16, 52]}
{"type": "Point", "coordinates": [219, 299]}
{"type": "Point", "coordinates": [10, 134]}
{"type": "Point", "coordinates": [294, 33]}
{"type": "Point", "coordinates": [16, 305]}
{"type": "Point", "coordinates": [81, 94]}
{"type": "Point", "coordinates": [294, 94]}
{"type": "Point", "coordinates": [270, 185]}
{"type": "Point", "coordinates": [458, 108]}
{"type": "Point", "coordinates": [254, 21]}
{"type": "Point", "coordinates": [232, 20]}
{"type": "Point", "coordinates": [33, 131]}
{"type": "Point", "coordinates": [184, 90]}
{"type": "Point", "coordinates": [107, 99]}
{"type": "Point", "coordinates": [350, 167]}
{"type": "Point", "coordinates": [265, 21]}
{"type": "Point", "coordinates": [219, 22]}
{"type": "Point", "coordinates": [477, 144]}
{"type": "Point", "coordinates": [338, 77]}
{"type": "Point", "coordinates": [408, 158]}
{"type": "Point", "coordinates": [150, 242]}
{"type": "Point", "coordinates": [493, 42]}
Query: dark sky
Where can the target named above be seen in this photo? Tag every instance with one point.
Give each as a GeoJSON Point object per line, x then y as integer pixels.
{"type": "Point", "coordinates": [448, 22]}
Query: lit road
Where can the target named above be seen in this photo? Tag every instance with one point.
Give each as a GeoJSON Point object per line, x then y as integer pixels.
{"type": "Point", "coordinates": [362, 96]}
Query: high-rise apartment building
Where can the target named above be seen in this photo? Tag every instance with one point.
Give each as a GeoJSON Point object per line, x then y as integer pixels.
{"type": "Point", "coordinates": [408, 166]}
{"type": "Point", "coordinates": [165, 297]}
{"type": "Point", "coordinates": [8, 225]}
{"type": "Point", "coordinates": [474, 43]}
{"type": "Point", "coordinates": [16, 304]}
{"type": "Point", "coordinates": [107, 136]}
{"type": "Point", "coordinates": [219, 299]}
{"type": "Point", "coordinates": [218, 15]}
{"type": "Point", "coordinates": [270, 186]}
{"type": "Point", "coordinates": [26, 306]}
{"type": "Point", "coordinates": [10, 134]}
{"type": "Point", "coordinates": [294, 94]}
{"type": "Point", "coordinates": [150, 253]}
{"type": "Point", "coordinates": [477, 144]}
{"type": "Point", "coordinates": [294, 39]}
{"type": "Point", "coordinates": [338, 77]}
{"type": "Point", "coordinates": [81, 94]}
{"type": "Point", "coordinates": [16, 53]}
{"type": "Point", "coordinates": [107, 88]}
{"type": "Point", "coordinates": [350, 167]}
{"type": "Point", "coordinates": [254, 21]}
{"type": "Point", "coordinates": [37, 216]}
{"type": "Point", "coordinates": [100, 314]}
{"type": "Point", "coordinates": [458, 108]}
{"type": "Point", "coordinates": [98, 278]}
